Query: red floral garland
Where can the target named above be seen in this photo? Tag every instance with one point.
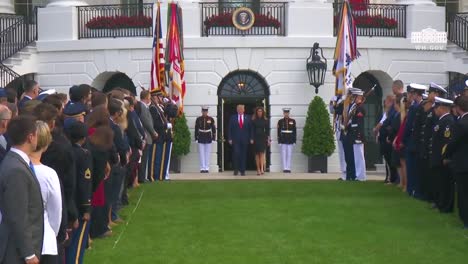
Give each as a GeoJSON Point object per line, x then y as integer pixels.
{"type": "Point", "coordinates": [225, 20]}
{"type": "Point", "coordinates": [377, 21]}
{"type": "Point", "coordinates": [111, 22]}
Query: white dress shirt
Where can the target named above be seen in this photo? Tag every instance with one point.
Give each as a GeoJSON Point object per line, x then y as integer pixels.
{"type": "Point", "coordinates": [52, 197]}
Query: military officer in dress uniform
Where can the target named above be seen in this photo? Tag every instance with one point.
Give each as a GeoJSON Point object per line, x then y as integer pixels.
{"type": "Point", "coordinates": [205, 134]}
{"type": "Point", "coordinates": [348, 109]}
{"type": "Point", "coordinates": [356, 135]}
{"type": "Point", "coordinates": [83, 165]}
{"type": "Point", "coordinates": [426, 131]}
{"type": "Point", "coordinates": [336, 108]}
{"type": "Point", "coordinates": [456, 156]}
{"type": "Point", "coordinates": [444, 185]}
{"type": "Point", "coordinates": [170, 110]}
{"type": "Point", "coordinates": [413, 120]}
{"type": "Point", "coordinates": [286, 138]}
{"type": "Point", "coordinates": [163, 128]}
{"type": "Point", "coordinates": [465, 90]}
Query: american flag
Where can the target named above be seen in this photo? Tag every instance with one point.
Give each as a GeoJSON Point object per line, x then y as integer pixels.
{"type": "Point", "coordinates": [157, 64]}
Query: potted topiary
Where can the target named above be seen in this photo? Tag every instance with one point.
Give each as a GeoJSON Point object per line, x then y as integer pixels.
{"type": "Point", "coordinates": [318, 142]}
{"type": "Point", "coordinates": [181, 142]}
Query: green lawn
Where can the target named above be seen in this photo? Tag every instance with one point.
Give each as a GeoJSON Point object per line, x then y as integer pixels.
{"type": "Point", "coordinates": [272, 222]}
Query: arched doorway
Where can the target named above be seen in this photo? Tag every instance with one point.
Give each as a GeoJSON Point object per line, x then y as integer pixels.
{"type": "Point", "coordinates": [107, 81]}
{"type": "Point", "coordinates": [239, 87]}
{"type": "Point", "coordinates": [373, 107]}
{"type": "Point", "coordinates": [18, 83]}
{"type": "Point", "coordinates": [456, 83]}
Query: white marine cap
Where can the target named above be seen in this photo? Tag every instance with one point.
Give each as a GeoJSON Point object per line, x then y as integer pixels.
{"type": "Point", "coordinates": [443, 101]}
{"type": "Point", "coordinates": [49, 91]}
{"type": "Point", "coordinates": [417, 87]}
{"type": "Point", "coordinates": [286, 110]}
{"type": "Point", "coordinates": [204, 108]}
{"type": "Point", "coordinates": [434, 87]}
{"type": "Point", "coordinates": [357, 92]}
{"type": "Point", "coordinates": [425, 96]}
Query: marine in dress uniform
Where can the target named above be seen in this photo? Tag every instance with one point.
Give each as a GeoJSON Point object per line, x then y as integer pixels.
{"type": "Point", "coordinates": [348, 109]}
{"type": "Point", "coordinates": [444, 184]}
{"type": "Point", "coordinates": [430, 119]}
{"type": "Point", "coordinates": [170, 112]}
{"type": "Point", "coordinates": [465, 90]}
{"type": "Point", "coordinates": [456, 156]}
{"type": "Point", "coordinates": [83, 160]}
{"type": "Point", "coordinates": [336, 108]}
{"type": "Point", "coordinates": [162, 128]}
{"type": "Point", "coordinates": [286, 138]}
{"type": "Point", "coordinates": [356, 135]}
{"type": "Point", "coordinates": [409, 140]}
{"type": "Point", "coordinates": [205, 134]}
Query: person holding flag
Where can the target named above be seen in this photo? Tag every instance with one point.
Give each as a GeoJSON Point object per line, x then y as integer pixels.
{"type": "Point", "coordinates": [345, 53]}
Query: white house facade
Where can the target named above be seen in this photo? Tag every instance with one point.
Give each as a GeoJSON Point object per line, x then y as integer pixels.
{"type": "Point", "coordinates": [271, 61]}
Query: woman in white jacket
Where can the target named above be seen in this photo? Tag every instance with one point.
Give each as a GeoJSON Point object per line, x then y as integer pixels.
{"type": "Point", "coordinates": [51, 195]}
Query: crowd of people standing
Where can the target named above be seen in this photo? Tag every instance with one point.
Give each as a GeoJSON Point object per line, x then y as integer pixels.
{"type": "Point", "coordinates": [67, 161]}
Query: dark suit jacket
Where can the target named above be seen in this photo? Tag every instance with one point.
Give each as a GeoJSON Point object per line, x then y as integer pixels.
{"type": "Point", "coordinates": [3, 153]}
{"type": "Point", "coordinates": [457, 149]}
{"type": "Point", "coordinates": [22, 102]}
{"type": "Point", "coordinates": [22, 227]}
{"type": "Point", "coordinates": [240, 135]}
{"type": "Point", "coordinates": [121, 146]}
{"type": "Point", "coordinates": [135, 138]}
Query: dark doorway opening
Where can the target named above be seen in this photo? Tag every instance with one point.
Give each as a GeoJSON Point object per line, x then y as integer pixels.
{"type": "Point", "coordinates": [373, 107]}
{"type": "Point", "coordinates": [230, 107]}
{"type": "Point", "coordinates": [239, 87]}
{"type": "Point", "coordinates": [119, 80]}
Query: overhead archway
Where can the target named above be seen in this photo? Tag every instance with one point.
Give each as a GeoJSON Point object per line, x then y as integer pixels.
{"type": "Point", "coordinates": [373, 106]}
{"type": "Point", "coordinates": [18, 83]}
{"type": "Point", "coordinates": [239, 87]}
{"type": "Point", "coordinates": [108, 81]}
{"type": "Point", "coordinates": [456, 83]}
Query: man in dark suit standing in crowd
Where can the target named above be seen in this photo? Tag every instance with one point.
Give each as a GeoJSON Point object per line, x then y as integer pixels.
{"type": "Point", "coordinates": [147, 122]}
{"type": "Point", "coordinates": [5, 116]}
{"type": "Point", "coordinates": [240, 133]}
{"type": "Point", "coordinates": [22, 224]}
{"type": "Point", "coordinates": [31, 91]}
{"type": "Point", "coordinates": [456, 155]}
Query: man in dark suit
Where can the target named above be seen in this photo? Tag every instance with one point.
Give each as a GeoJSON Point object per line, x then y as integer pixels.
{"type": "Point", "coordinates": [22, 226]}
{"type": "Point", "coordinates": [240, 133]}
{"type": "Point", "coordinates": [456, 155]}
{"type": "Point", "coordinates": [147, 122]}
{"type": "Point", "coordinates": [31, 91]}
{"type": "Point", "coordinates": [5, 116]}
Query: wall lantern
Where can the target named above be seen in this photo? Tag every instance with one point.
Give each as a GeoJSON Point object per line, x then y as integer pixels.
{"type": "Point", "coordinates": [316, 67]}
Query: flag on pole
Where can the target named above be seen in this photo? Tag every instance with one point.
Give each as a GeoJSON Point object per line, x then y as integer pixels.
{"type": "Point", "coordinates": [174, 55]}
{"type": "Point", "coordinates": [157, 64]}
{"type": "Point", "coordinates": [345, 50]}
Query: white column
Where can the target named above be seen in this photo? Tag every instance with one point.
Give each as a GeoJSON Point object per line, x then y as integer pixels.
{"type": "Point", "coordinates": [66, 3]}
{"type": "Point", "coordinates": [416, 2]}
{"type": "Point", "coordinates": [463, 6]}
{"type": "Point", "coordinates": [6, 7]}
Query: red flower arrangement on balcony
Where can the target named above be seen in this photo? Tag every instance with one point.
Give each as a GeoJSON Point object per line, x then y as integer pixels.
{"type": "Point", "coordinates": [225, 20]}
{"type": "Point", "coordinates": [113, 22]}
{"type": "Point", "coordinates": [367, 21]}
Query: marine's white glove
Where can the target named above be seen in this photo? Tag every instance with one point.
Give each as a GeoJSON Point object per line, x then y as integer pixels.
{"type": "Point", "coordinates": [169, 125]}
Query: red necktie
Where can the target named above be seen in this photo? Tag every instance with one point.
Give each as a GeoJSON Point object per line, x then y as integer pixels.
{"type": "Point", "coordinates": [241, 123]}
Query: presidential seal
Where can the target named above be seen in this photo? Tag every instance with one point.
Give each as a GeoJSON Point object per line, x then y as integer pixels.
{"type": "Point", "coordinates": [243, 18]}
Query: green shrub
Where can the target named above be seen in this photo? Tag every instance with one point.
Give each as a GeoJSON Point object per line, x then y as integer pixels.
{"type": "Point", "coordinates": [318, 133]}
{"type": "Point", "coordinates": [181, 145]}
